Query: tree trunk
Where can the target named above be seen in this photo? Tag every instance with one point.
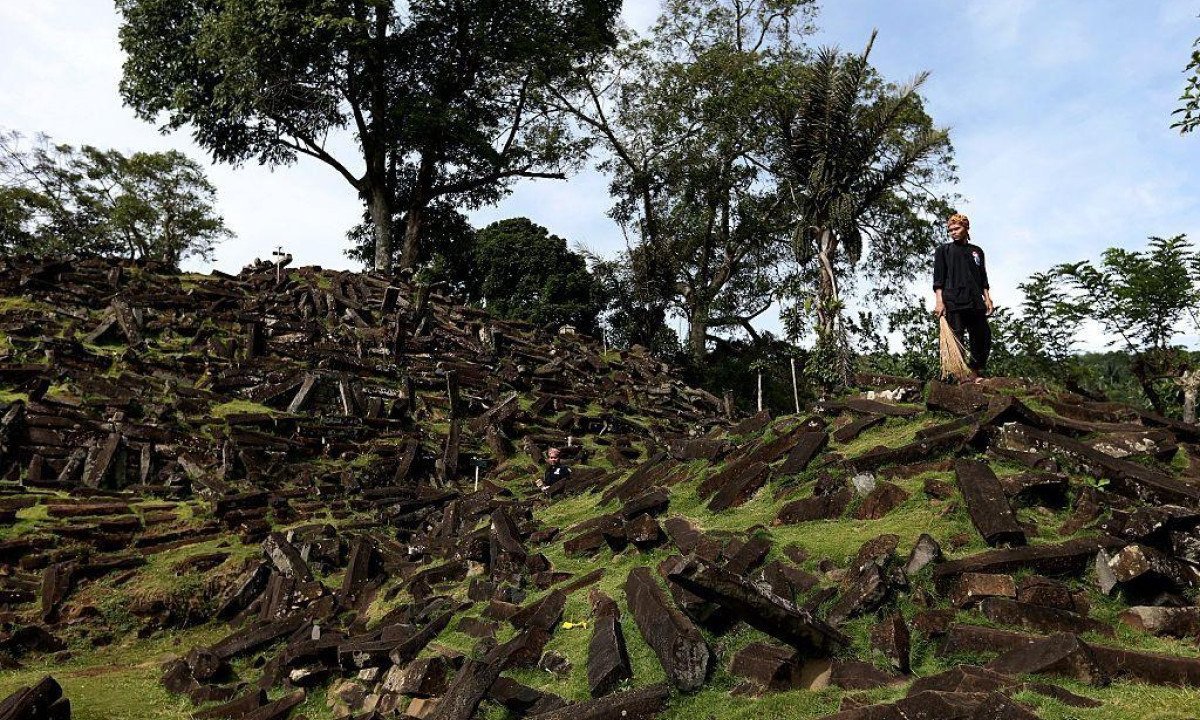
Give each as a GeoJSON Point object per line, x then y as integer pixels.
{"type": "Point", "coordinates": [829, 328]}
{"type": "Point", "coordinates": [1138, 367]}
{"type": "Point", "coordinates": [1190, 382]}
{"type": "Point", "coordinates": [412, 236]}
{"type": "Point", "coordinates": [698, 335]}
{"type": "Point", "coordinates": [827, 292]}
{"type": "Point", "coordinates": [417, 202]}
{"type": "Point", "coordinates": [379, 205]}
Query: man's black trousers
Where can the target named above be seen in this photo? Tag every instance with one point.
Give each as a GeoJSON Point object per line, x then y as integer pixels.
{"type": "Point", "coordinates": [973, 323]}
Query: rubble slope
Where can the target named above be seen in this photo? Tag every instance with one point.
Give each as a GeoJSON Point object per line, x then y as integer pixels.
{"type": "Point", "coordinates": [303, 492]}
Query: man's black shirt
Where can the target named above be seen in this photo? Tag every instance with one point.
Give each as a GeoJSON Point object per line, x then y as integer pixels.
{"type": "Point", "coordinates": [555, 474]}
{"type": "Point", "coordinates": [960, 272]}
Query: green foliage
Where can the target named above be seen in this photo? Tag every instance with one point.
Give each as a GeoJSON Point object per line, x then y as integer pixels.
{"type": "Point", "coordinates": [1144, 298]}
{"type": "Point", "coordinates": [679, 114]}
{"type": "Point", "coordinates": [58, 200]}
{"type": "Point", "coordinates": [443, 99]}
{"type": "Point", "coordinates": [1189, 110]}
{"type": "Point", "coordinates": [853, 156]}
{"type": "Point", "coordinates": [733, 366]}
{"type": "Point", "coordinates": [634, 314]}
{"type": "Point", "coordinates": [528, 274]}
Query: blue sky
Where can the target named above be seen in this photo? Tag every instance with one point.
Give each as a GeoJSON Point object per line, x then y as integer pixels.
{"type": "Point", "coordinates": [1059, 111]}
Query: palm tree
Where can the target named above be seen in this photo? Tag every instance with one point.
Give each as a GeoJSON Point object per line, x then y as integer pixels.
{"type": "Point", "coordinates": [853, 155]}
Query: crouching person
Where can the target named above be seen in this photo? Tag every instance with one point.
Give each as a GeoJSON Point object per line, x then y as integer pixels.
{"type": "Point", "coordinates": [555, 472]}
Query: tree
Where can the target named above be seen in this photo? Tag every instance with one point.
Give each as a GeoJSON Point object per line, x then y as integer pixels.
{"type": "Point", "coordinates": [679, 116]}
{"type": "Point", "coordinates": [1189, 111]}
{"type": "Point", "coordinates": [633, 314]}
{"type": "Point", "coordinates": [529, 274]}
{"type": "Point", "coordinates": [856, 159]}
{"type": "Point", "coordinates": [442, 96]}
{"type": "Point", "coordinates": [1142, 299]}
{"type": "Point", "coordinates": [59, 200]}
{"type": "Point", "coordinates": [444, 255]}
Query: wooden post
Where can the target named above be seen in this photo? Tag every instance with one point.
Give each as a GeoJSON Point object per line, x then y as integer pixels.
{"type": "Point", "coordinates": [795, 387]}
{"type": "Point", "coordinates": [760, 390]}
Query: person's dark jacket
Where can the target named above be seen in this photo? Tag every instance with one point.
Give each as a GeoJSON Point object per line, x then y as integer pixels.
{"type": "Point", "coordinates": [960, 272]}
{"type": "Point", "coordinates": [555, 474]}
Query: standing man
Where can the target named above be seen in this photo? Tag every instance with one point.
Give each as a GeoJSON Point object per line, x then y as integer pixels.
{"type": "Point", "coordinates": [555, 473]}
{"type": "Point", "coordinates": [960, 283]}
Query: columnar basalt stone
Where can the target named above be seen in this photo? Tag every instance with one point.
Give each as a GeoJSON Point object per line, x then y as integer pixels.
{"type": "Point", "coordinates": [925, 552]}
{"type": "Point", "coordinates": [678, 643]}
{"type": "Point", "coordinates": [883, 499]}
{"type": "Point", "coordinates": [43, 700]}
{"type": "Point", "coordinates": [1179, 622]}
{"type": "Point", "coordinates": [608, 661]}
{"type": "Point", "coordinates": [817, 507]}
{"type": "Point", "coordinates": [891, 638]}
{"type": "Point", "coordinates": [769, 666]}
{"type": "Point", "coordinates": [987, 504]}
{"type": "Point", "coordinates": [1063, 654]}
{"type": "Point", "coordinates": [756, 606]}
{"type": "Point", "coordinates": [1005, 611]}
{"type": "Point", "coordinates": [640, 704]}
{"type": "Point", "coordinates": [808, 446]}
{"type": "Point", "coordinates": [1065, 558]}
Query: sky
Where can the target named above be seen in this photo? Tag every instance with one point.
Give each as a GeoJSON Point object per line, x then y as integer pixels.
{"type": "Point", "coordinates": [1059, 111]}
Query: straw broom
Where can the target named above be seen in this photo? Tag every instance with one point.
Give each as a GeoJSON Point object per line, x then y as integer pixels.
{"type": "Point", "coordinates": [954, 361]}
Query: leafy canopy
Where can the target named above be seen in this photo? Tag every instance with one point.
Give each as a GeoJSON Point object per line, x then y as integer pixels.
{"type": "Point", "coordinates": [441, 96]}
{"type": "Point", "coordinates": [858, 161]}
{"type": "Point", "coordinates": [678, 117]}
{"type": "Point", "coordinates": [56, 199]}
{"type": "Point", "coordinates": [529, 274]}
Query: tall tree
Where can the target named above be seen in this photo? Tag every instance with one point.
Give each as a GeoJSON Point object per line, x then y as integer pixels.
{"type": "Point", "coordinates": [442, 96]}
{"type": "Point", "coordinates": [1142, 299]}
{"type": "Point", "coordinates": [857, 159]}
{"type": "Point", "coordinates": [529, 274]}
{"type": "Point", "coordinates": [679, 116]}
{"type": "Point", "coordinates": [56, 199]}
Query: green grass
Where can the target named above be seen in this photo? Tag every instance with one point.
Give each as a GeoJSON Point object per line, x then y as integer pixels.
{"type": "Point", "coordinates": [11, 396]}
{"type": "Point", "coordinates": [29, 521]}
{"type": "Point", "coordinates": [120, 681]}
{"type": "Point", "coordinates": [239, 407]}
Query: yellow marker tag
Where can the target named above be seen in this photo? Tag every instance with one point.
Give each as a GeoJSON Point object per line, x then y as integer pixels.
{"type": "Point", "coordinates": [572, 625]}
